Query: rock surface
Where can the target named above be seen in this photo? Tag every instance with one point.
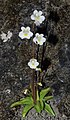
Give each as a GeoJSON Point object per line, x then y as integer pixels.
{"type": "Point", "coordinates": [14, 72]}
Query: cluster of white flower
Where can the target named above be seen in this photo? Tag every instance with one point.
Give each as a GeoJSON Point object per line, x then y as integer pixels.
{"type": "Point", "coordinates": [6, 37]}
{"type": "Point", "coordinates": [25, 33]}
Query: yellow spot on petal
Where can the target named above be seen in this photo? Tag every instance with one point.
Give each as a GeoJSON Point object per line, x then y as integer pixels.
{"type": "Point", "coordinates": [26, 34]}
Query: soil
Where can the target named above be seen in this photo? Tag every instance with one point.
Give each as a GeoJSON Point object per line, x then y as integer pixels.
{"type": "Point", "coordinates": [15, 75]}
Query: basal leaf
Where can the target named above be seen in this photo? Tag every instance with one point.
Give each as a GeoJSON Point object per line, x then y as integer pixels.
{"type": "Point", "coordinates": [49, 109]}
{"type": "Point", "coordinates": [37, 106]}
{"type": "Point", "coordinates": [42, 104]}
{"type": "Point", "coordinates": [26, 109]}
{"type": "Point", "coordinates": [27, 100]}
{"type": "Point", "coordinates": [48, 98]}
{"type": "Point", "coordinates": [17, 103]}
{"type": "Point", "coordinates": [44, 92]}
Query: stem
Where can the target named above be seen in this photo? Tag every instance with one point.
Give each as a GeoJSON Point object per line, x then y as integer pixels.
{"type": "Point", "coordinates": [34, 84]}
{"type": "Point", "coordinates": [33, 44]}
{"type": "Point", "coordinates": [34, 88]}
{"type": "Point", "coordinates": [43, 51]}
{"type": "Point", "coordinates": [37, 51]}
{"type": "Point", "coordinates": [37, 60]}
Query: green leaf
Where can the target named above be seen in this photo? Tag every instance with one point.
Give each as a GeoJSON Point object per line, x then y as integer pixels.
{"type": "Point", "coordinates": [48, 98]}
{"type": "Point", "coordinates": [27, 100]}
{"type": "Point", "coordinates": [49, 109]}
{"type": "Point", "coordinates": [44, 92]}
{"type": "Point", "coordinates": [42, 104]}
{"type": "Point", "coordinates": [26, 109]}
{"type": "Point", "coordinates": [37, 106]}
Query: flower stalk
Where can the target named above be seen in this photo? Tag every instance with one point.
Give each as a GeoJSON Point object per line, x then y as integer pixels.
{"type": "Point", "coordinates": [34, 84]}
{"type": "Point", "coordinates": [34, 87]}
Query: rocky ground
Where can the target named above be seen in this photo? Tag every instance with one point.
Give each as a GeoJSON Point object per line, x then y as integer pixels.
{"type": "Point", "coordinates": [14, 72]}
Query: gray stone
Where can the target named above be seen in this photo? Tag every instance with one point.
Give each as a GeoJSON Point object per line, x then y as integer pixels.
{"type": "Point", "coordinates": [14, 72]}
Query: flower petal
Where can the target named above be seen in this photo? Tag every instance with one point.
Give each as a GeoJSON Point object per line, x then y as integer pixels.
{"type": "Point", "coordinates": [32, 17]}
{"type": "Point", "coordinates": [36, 64]}
{"type": "Point", "coordinates": [30, 34]}
{"type": "Point", "coordinates": [35, 12]}
{"type": "Point", "coordinates": [44, 39]}
{"type": "Point", "coordinates": [27, 28]}
{"type": "Point", "coordinates": [21, 35]}
{"type": "Point", "coordinates": [22, 28]}
{"type": "Point", "coordinates": [33, 60]}
{"type": "Point", "coordinates": [35, 40]}
{"type": "Point", "coordinates": [9, 35]}
{"type": "Point", "coordinates": [42, 18]}
{"type": "Point", "coordinates": [37, 34]}
{"type": "Point", "coordinates": [40, 12]}
{"type": "Point", "coordinates": [5, 40]}
{"type": "Point", "coordinates": [41, 35]}
{"type": "Point", "coordinates": [40, 43]}
{"type": "Point", "coordinates": [3, 36]}
{"type": "Point", "coordinates": [33, 67]}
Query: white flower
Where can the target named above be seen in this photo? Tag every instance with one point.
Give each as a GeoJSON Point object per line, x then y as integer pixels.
{"type": "Point", "coordinates": [7, 36]}
{"type": "Point", "coordinates": [33, 63]}
{"type": "Point", "coordinates": [39, 39]}
{"type": "Point", "coordinates": [37, 17]}
{"type": "Point", "coordinates": [25, 33]}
